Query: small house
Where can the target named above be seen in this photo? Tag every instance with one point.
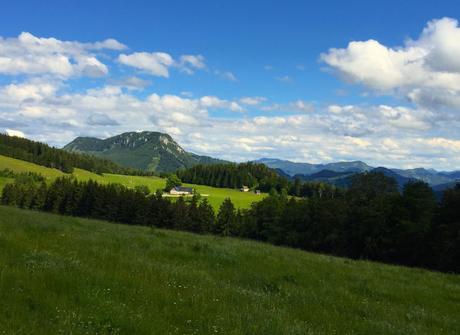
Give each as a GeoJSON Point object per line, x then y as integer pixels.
{"type": "Point", "coordinates": [244, 189]}
{"type": "Point", "coordinates": [179, 190]}
{"type": "Point", "coordinates": [257, 192]}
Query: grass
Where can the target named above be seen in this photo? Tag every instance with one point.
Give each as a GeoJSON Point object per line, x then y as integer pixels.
{"type": "Point", "coordinates": [216, 195]}
{"type": "Point", "coordinates": [63, 275]}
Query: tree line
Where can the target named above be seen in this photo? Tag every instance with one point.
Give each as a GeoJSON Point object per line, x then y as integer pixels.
{"type": "Point", "coordinates": [42, 154]}
{"type": "Point", "coordinates": [254, 175]}
{"type": "Point", "coordinates": [370, 220]}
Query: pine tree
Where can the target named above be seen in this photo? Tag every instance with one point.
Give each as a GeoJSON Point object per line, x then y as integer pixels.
{"type": "Point", "coordinates": [226, 219]}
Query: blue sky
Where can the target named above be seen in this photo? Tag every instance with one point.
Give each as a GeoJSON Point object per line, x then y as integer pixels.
{"type": "Point", "coordinates": [240, 80]}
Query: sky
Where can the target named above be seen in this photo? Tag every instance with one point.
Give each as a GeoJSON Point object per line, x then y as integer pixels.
{"type": "Point", "coordinates": [240, 80]}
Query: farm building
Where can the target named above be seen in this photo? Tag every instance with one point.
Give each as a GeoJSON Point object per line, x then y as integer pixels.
{"type": "Point", "coordinates": [179, 190]}
{"type": "Point", "coordinates": [244, 189]}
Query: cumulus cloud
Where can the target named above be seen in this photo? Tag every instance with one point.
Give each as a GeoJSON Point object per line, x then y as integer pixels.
{"type": "Point", "coordinates": [425, 70]}
{"type": "Point", "coordinates": [190, 63]}
{"type": "Point", "coordinates": [154, 63]}
{"type": "Point", "coordinates": [381, 135]}
{"type": "Point", "coordinates": [132, 83]}
{"type": "Point", "coordinates": [31, 55]}
{"type": "Point", "coordinates": [215, 102]}
{"type": "Point", "coordinates": [159, 63]}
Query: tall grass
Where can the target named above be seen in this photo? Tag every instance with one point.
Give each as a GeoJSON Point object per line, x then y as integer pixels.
{"type": "Point", "coordinates": [63, 275]}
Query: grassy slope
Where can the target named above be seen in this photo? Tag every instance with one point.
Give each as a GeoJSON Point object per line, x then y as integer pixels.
{"type": "Point", "coordinates": [77, 276]}
{"type": "Point", "coordinates": [216, 195]}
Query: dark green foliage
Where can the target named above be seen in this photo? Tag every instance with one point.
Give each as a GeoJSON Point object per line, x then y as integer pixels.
{"type": "Point", "coordinates": [231, 175]}
{"type": "Point", "coordinates": [255, 176]}
{"type": "Point", "coordinates": [112, 202]}
{"type": "Point", "coordinates": [371, 220]}
{"type": "Point", "coordinates": [172, 181]}
{"type": "Point", "coordinates": [446, 232]}
{"type": "Point", "coordinates": [36, 177]}
{"type": "Point", "coordinates": [42, 154]}
{"type": "Point", "coordinates": [226, 219]}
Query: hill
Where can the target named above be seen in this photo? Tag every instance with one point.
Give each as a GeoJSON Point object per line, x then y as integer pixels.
{"type": "Point", "coordinates": [42, 154]}
{"type": "Point", "coordinates": [215, 195]}
{"type": "Point", "coordinates": [70, 275]}
{"type": "Point", "coordinates": [148, 151]}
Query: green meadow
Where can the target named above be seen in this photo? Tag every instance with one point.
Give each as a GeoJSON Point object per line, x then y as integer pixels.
{"type": "Point", "coordinates": [65, 275]}
{"type": "Point", "coordinates": [215, 195]}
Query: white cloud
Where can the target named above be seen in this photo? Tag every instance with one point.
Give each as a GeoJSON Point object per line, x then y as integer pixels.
{"type": "Point", "coordinates": [154, 63]}
{"type": "Point", "coordinates": [13, 132]}
{"type": "Point", "coordinates": [302, 106]}
{"type": "Point", "coordinates": [31, 55]}
{"type": "Point", "coordinates": [132, 83]}
{"type": "Point", "coordinates": [215, 102]}
{"type": "Point", "coordinates": [252, 101]}
{"type": "Point", "coordinates": [189, 63]}
{"type": "Point", "coordinates": [425, 70]}
{"type": "Point", "coordinates": [376, 134]}
{"type": "Point", "coordinates": [110, 43]}
{"type": "Point", "coordinates": [335, 109]}
{"type": "Point", "coordinates": [159, 63]}
{"type": "Point", "coordinates": [290, 107]}
{"type": "Point", "coordinates": [402, 117]}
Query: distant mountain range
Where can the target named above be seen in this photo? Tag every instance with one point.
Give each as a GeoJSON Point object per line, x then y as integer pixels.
{"type": "Point", "coordinates": [293, 168]}
{"type": "Point", "coordinates": [339, 173]}
{"type": "Point", "coordinates": [148, 151]}
{"type": "Point", "coordinates": [158, 152]}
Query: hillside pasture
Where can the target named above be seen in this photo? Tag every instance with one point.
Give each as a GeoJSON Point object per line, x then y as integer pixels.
{"type": "Point", "coordinates": [215, 195]}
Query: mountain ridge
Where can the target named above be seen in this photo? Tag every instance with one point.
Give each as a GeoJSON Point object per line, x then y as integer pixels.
{"type": "Point", "coordinates": [336, 173]}
{"type": "Point", "coordinates": [146, 150]}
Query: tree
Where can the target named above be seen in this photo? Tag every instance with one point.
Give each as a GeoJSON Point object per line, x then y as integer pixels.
{"type": "Point", "coordinates": [172, 181]}
{"type": "Point", "coordinates": [446, 231]}
{"type": "Point", "coordinates": [143, 189]}
{"type": "Point", "coordinates": [226, 218]}
{"type": "Point", "coordinates": [206, 216]}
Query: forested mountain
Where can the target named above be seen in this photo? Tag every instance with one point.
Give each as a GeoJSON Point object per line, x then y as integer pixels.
{"type": "Point", "coordinates": [43, 154]}
{"type": "Point", "coordinates": [148, 151]}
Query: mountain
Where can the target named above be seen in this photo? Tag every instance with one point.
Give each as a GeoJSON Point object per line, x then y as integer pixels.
{"type": "Point", "coordinates": [293, 168]}
{"type": "Point", "coordinates": [340, 173]}
{"type": "Point", "coordinates": [328, 174]}
{"type": "Point", "coordinates": [430, 176]}
{"type": "Point", "coordinates": [340, 179]}
{"type": "Point", "coordinates": [148, 151]}
{"type": "Point", "coordinates": [400, 179]}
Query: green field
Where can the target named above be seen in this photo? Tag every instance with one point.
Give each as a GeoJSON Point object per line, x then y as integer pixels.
{"type": "Point", "coordinates": [63, 275]}
{"type": "Point", "coordinates": [215, 195]}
